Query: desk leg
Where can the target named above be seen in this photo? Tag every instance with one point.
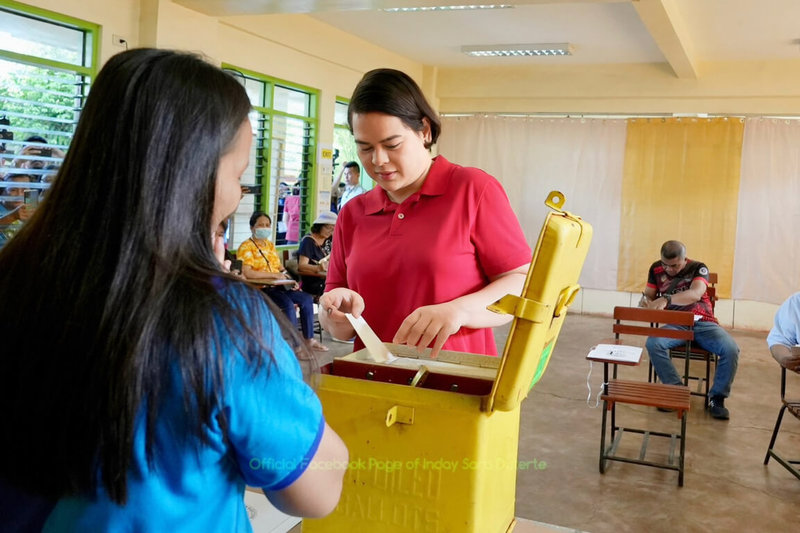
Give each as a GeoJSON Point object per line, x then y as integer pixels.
{"type": "Point", "coordinates": [603, 439]}
{"type": "Point", "coordinates": [683, 446]}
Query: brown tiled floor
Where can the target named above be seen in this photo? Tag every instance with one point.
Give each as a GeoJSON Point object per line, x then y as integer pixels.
{"type": "Point", "coordinates": [727, 487]}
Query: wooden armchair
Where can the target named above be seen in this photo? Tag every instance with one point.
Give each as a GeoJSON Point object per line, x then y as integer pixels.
{"type": "Point", "coordinates": [659, 395]}
{"type": "Point", "coordinates": [793, 406]}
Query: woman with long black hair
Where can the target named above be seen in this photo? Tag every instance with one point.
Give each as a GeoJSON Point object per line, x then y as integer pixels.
{"type": "Point", "coordinates": [143, 386]}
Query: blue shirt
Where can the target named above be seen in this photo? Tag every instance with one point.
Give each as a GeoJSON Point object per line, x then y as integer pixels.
{"type": "Point", "coordinates": [275, 424]}
{"type": "Point", "coordinates": [786, 330]}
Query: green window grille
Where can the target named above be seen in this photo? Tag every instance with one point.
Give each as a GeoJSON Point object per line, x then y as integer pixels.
{"type": "Point", "coordinates": [47, 62]}
{"type": "Point", "coordinates": [279, 179]}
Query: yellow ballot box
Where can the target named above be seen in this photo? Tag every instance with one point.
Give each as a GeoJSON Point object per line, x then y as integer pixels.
{"type": "Point", "coordinates": [433, 443]}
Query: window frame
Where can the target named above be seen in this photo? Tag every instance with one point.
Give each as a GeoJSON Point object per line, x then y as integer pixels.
{"type": "Point", "coordinates": [84, 75]}
{"type": "Point", "coordinates": [311, 121]}
{"type": "Point", "coordinates": [57, 19]}
{"type": "Point", "coordinates": [364, 179]}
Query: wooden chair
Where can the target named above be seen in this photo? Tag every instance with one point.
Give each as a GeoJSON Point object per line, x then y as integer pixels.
{"type": "Point", "coordinates": [793, 406]}
{"type": "Point", "coordinates": [696, 353]}
{"type": "Point", "coordinates": [659, 395]}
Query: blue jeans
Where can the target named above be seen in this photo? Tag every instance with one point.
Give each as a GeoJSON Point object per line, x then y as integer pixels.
{"type": "Point", "coordinates": [710, 337]}
{"type": "Point", "coordinates": [286, 300]}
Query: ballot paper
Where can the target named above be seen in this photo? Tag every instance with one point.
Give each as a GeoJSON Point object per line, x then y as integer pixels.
{"type": "Point", "coordinates": [375, 348]}
{"type": "Point", "coordinates": [616, 353]}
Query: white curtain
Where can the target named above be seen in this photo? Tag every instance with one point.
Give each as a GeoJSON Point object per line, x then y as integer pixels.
{"type": "Point", "coordinates": [766, 264]}
{"type": "Point", "coordinates": [582, 158]}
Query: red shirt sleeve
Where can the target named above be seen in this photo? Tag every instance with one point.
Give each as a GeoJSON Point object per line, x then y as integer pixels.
{"type": "Point", "coordinates": [497, 234]}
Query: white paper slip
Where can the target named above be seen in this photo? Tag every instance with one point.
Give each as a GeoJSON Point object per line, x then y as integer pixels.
{"type": "Point", "coordinates": [697, 317]}
{"type": "Point", "coordinates": [616, 353]}
{"type": "Point", "coordinates": [375, 347]}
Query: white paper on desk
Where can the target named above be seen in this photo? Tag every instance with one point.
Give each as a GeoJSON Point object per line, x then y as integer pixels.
{"type": "Point", "coordinates": [616, 352]}
{"type": "Point", "coordinates": [375, 347]}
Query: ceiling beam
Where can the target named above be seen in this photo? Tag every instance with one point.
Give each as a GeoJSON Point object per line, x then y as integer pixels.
{"type": "Point", "coordinates": [665, 24]}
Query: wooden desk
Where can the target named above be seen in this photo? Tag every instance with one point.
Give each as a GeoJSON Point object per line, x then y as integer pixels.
{"type": "Point", "coordinates": [644, 322]}
{"type": "Point", "coordinates": [613, 357]}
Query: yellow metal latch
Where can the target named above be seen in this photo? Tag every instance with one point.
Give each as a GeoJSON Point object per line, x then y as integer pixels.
{"type": "Point", "coordinates": [523, 308]}
{"type": "Point", "coordinates": [399, 414]}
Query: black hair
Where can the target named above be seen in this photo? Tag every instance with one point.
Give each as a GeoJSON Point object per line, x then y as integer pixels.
{"type": "Point", "coordinates": [36, 139]}
{"type": "Point", "coordinates": [394, 93]}
{"type": "Point", "coordinates": [256, 215]}
{"type": "Point", "coordinates": [352, 164]}
{"type": "Point", "coordinates": [135, 303]}
{"type": "Point", "coordinates": [316, 228]}
{"type": "Point", "coordinates": [673, 250]}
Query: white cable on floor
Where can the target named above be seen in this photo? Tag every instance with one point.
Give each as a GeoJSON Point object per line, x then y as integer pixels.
{"type": "Point", "coordinates": [589, 386]}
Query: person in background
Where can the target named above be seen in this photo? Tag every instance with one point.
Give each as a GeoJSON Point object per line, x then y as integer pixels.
{"type": "Point", "coordinates": [420, 255]}
{"type": "Point", "coordinates": [313, 254]}
{"type": "Point", "coordinates": [291, 216]}
{"type": "Point", "coordinates": [677, 283]}
{"type": "Point", "coordinates": [352, 175]}
{"type": "Point", "coordinates": [260, 261]}
{"type": "Point", "coordinates": [784, 337]}
{"type": "Point", "coordinates": [15, 207]}
{"type": "Point", "coordinates": [233, 264]}
{"type": "Point", "coordinates": [144, 387]}
{"type": "Point", "coordinates": [38, 157]}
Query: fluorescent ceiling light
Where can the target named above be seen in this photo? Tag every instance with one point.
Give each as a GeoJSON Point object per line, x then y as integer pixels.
{"type": "Point", "coordinates": [518, 50]}
{"type": "Point", "coordinates": [446, 8]}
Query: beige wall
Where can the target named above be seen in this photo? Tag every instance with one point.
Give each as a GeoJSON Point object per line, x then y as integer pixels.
{"type": "Point", "coordinates": [739, 314]}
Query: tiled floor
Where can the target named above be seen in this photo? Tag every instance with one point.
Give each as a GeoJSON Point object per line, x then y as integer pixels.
{"type": "Point", "coordinates": [727, 487]}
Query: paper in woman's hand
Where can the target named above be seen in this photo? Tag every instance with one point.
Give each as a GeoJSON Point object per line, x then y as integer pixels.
{"type": "Point", "coordinates": [375, 348]}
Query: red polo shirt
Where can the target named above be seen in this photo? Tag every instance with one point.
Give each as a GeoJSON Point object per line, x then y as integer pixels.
{"type": "Point", "coordinates": [441, 243]}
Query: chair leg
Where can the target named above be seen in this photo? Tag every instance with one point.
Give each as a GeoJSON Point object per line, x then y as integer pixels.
{"type": "Point", "coordinates": [686, 369]}
{"type": "Point", "coordinates": [775, 433]}
{"type": "Point", "coordinates": [603, 439]}
{"type": "Point", "coordinates": [683, 447]}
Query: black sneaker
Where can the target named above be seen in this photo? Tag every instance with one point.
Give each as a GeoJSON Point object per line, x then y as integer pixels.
{"type": "Point", "coordinates": [716, 406]}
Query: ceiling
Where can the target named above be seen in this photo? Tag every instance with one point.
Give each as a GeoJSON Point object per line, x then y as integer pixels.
{"type": "Point", "coordinates": [683, 33]}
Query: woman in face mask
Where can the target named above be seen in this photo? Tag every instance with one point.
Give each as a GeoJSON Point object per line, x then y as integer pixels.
{"type": "Point", "coordinates": [260, 262]}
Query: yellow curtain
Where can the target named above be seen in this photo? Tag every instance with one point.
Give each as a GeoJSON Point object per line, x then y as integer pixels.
{"type": "Point", "coordinates": [680, 181]}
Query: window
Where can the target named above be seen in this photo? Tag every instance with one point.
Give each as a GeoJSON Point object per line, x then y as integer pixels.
{"type": "Point", "coordinates": [344, 147]}
{"type": "Point", "coordinates": [279, 178]}
{"type": "Point", "coordinates": [47, 61]}
{"type": "Point", "coordinates": [344, 150]}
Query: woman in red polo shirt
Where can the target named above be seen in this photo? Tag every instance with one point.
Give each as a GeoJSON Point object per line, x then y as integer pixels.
{"type": "Point", "coordinates": [423, 254]}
